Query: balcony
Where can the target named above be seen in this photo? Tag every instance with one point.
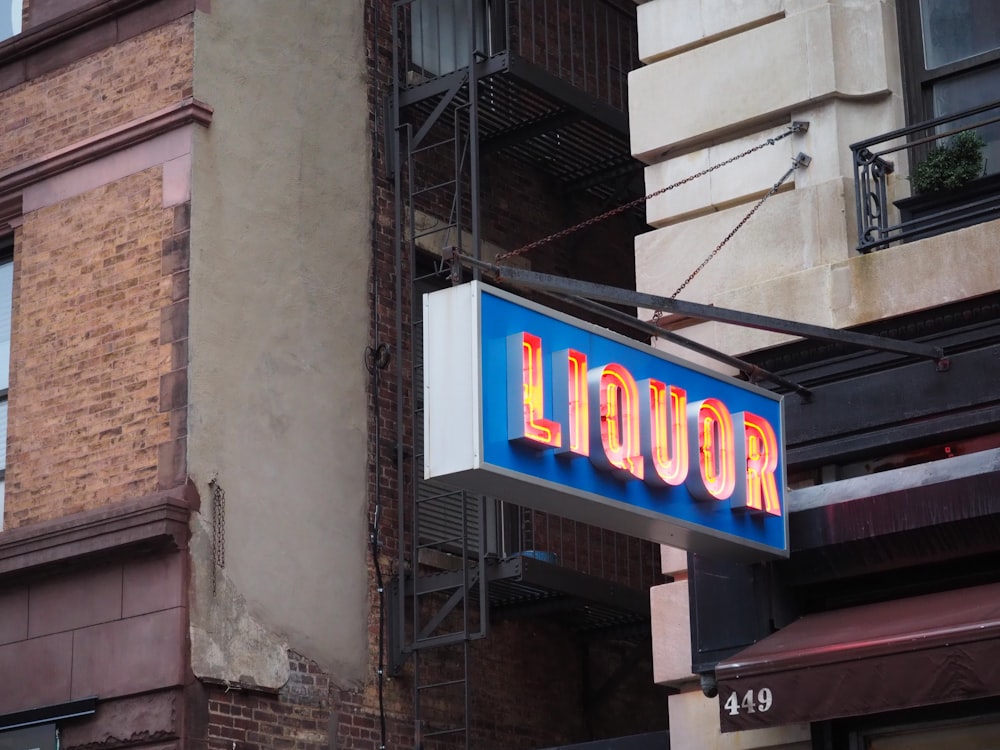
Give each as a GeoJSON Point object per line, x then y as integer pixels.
{"type": "Point", "coordinates": [927, 179]}
{"type": "Point", "coordinates": [551, 79]}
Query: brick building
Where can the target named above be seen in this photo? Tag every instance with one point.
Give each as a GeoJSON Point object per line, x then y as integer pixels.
{"type": "Point", "coordinates": [215, 216]}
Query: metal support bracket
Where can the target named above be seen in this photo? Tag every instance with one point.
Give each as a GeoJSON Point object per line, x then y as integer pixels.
{"type": "Point", "coordinates": [575, 287]}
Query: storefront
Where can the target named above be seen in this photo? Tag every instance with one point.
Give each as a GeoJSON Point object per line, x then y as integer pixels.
{"type": "Point", "coordinates": [882, 629]}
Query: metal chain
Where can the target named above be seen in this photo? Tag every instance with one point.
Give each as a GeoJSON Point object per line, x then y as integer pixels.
{"type": "Point", "coordinates": [794, 128]}
{"type": "Point", "coordinates": [218, 528]}
{"type": "Point", "coordinates": [796, 163]}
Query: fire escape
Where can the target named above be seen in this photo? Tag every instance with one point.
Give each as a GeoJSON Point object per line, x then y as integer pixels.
{"type": "Point", "coordinates": [541, 83]}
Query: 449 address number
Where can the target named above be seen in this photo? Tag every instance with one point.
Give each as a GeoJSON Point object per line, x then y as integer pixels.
{"type": "Point", "coordinates": [751, 702]}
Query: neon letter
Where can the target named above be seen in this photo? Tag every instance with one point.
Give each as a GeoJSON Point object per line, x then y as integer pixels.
{"type": "Point", "coordinates": [570, 405]}
{"type": "Point", "coordinates": [526, 394]}
{"type": "Point", "coordinates": [616, 423]}
{"type": "Point", "coordinates": [664, 433]}
{"type": "Point", "coordinates": [714, 447]}
{"type": "Point", "coordinates": [762, 460]}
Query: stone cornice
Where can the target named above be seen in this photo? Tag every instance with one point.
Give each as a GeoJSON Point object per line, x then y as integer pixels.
{"type": "Point", "coordinates": [14, 180]}
{"type": "Point", "coordinates": [157, 521]}
{"type": "Point", "coordinates": [10, 210]}
{"type": "Point", "coordinates": [34, 39]}
{"type": "Point", "coordinates": [89, 149]}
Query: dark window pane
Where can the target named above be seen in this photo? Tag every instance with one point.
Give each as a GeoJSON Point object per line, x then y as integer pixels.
{"type": "Point", "coordinates": [6, 289]}
{"type": "Point", "coordinates": [42, 737]}
{"type": "Point", "coordinates": [956, 30]}
{"type": "Point", "coordinates": [963, 92]}
{"type": "Point", "coordinates": [440, 34]}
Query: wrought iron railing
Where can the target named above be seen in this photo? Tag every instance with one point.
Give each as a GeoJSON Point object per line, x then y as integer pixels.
{"type": "Point", "coordinates": [890, 210]}
{"type": "Point", "coordinates": [591, 44]}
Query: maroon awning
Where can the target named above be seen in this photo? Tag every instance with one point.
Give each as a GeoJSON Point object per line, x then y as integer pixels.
{"type": "Point", "coordinates": [905, 653]}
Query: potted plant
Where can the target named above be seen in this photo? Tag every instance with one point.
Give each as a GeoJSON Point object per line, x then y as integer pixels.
{"type": "Point", "coordinates": [950, 190]}
{"type": "Point", "coordinates": [950, 166]}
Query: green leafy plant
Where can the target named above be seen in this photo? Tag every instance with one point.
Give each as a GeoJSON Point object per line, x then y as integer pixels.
{"type": "Point", "coordinates": [951, 165]}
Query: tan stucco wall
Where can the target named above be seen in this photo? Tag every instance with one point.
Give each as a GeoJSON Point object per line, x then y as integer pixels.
{"type": "Point", "coordinates": [278, 326]}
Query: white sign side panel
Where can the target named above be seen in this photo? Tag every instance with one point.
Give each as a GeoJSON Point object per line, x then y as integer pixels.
{"type": "Point", "coordinates": [451, 381]}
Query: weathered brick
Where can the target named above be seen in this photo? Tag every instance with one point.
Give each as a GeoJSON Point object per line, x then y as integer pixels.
{"type": "Point", "coordinates": [112, 86]}
{"type": "Point", "coordinates": [85, 425]}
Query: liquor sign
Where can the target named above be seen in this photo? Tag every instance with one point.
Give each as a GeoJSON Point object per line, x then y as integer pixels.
{"type": "Point", "coordinates": [549, 412]}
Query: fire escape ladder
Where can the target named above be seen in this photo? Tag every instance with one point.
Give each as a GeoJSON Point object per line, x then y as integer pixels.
{"type": "Point", "coordinates": [434, 156]}
{"type": "Point", "coordinates": [469, 81]}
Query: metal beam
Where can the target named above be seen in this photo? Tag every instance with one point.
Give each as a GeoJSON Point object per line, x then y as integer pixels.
{"type": "Point", "coordinates": [753, 372]}
{"type": "Point", "coordinates": [593, 109]}
{"type": "Point", "coordinates": [432, 118]}
{"type": "Point", "coordinates": [577, 288]}
{"type": "Point", "coordinates": [525, 131]}
{"type": "Point", "coordinates": [446, 609]}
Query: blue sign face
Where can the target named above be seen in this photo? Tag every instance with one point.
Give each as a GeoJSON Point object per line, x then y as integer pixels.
{"type": "Point", "coordinates": [582, 422]}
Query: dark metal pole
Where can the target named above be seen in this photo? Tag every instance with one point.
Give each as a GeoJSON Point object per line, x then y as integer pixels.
{"type": "Point", "coordinates": [750, 370]}
{"type": "Point", "coordinates": [577, 288]}
{"type": "Point", "coordinates": [473, 138]}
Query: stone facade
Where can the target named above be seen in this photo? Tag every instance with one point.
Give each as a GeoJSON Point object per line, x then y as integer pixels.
{"type": "Point", "coordinates": [757, 68]}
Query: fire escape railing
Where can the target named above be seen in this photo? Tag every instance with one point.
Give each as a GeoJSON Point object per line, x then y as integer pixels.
{"type": "Point", "coordinates": [590, 44]}
{"type": "Point", "coordinates": [886, 210]}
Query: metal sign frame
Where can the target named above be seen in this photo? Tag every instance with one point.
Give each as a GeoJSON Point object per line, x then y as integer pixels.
{"type": "Point", "coordinates": [467, 399]}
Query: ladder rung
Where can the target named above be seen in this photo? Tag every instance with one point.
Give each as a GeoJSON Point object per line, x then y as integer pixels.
{"type": "Point", "coordinates": [440, 732]}
{"type": "Point", "coordinates": [433, 187]}
{"type": "Point", "coordinates": [446, 683]}
{"type": "Point", "coordinates": [439, 640]}
{"type": "Point", "coordinates": [439, 496]}
{"type": "Point", "coordinates": [435, 230]}
{"type": "Point", "coordinates": [436, 144]}
{"type": "Point", "coordinates": [439, 542]}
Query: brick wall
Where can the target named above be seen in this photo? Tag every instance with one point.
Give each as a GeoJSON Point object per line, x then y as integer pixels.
{"type": "Point", "coordinates": [307, 713]}
{"type": "Point", "coordinates": [96, 93]}
{"type": "Point", "coordinates": [87, 351]}
{"type": "Point", "coordinates": [528, 691]}
{"type": "Point", "coordinates": [98, 352]}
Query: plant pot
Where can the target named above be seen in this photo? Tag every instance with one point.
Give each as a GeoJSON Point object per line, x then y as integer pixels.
{"type": "Point", "coordinates": [947, 210]}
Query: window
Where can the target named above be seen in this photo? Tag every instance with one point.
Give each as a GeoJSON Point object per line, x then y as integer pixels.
{"type": "Point", "coordinates": [37, 728]}
{"type": "Point", "coordinates": [10, 18]}
{"type": "Point", "coordinates": [39, 737]}
{"type": "Point", "coordinates": [440, 34]}
{"type": "Point", "coordinates": [6, 296]}
{"type": "Point", "coordinates": [951, 63]}
{"type": "Point", "coordinates": [981, 733]}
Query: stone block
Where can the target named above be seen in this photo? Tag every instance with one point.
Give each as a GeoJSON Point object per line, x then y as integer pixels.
{"type": "Point", "coordinates": [780, 240]}
{"type": "Point", "coordinates": [673, 561]}
{"type": "Point", "coordinates": [128, 656]}
{"type": "Point", "coordinates": [671, 626]}
{"type": "Point", "coordinates": [13, 615]}
{"type": "Point", "coordinates": [76, 601]}
{"type": "Point", "coordinates": [667, 27]}
{"type": "Point", "coordinates": [153, 583]}
{"type": "Point", "coordinates": [823, 53]}
{"type": "Point", "coordinates": [36, 672]}
{"type": "Point", "coordinates": [694, 725]}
